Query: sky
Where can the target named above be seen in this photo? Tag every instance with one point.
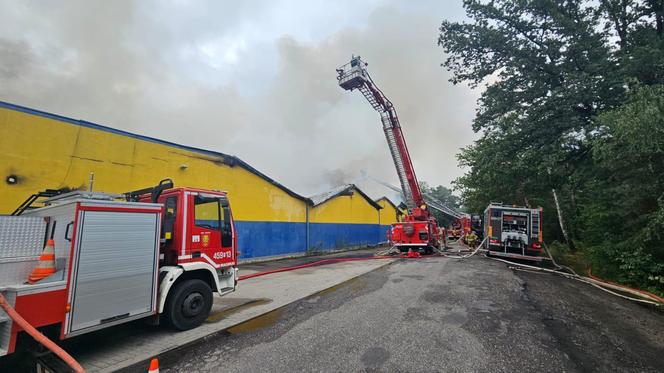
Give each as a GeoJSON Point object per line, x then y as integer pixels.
{"type": "Point", "coordinates": [255, 79]}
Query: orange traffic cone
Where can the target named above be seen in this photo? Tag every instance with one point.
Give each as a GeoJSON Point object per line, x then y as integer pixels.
{"type": "Point", "coordinates": [154, 366]}
{"type": "Point", "coordinates": [46, 266]}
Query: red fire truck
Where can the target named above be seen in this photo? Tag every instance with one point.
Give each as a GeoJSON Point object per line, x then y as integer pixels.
{"type": "Point", "coordinates": [513, 231]}
{"type": "Point", "coordinates": [160, 251]}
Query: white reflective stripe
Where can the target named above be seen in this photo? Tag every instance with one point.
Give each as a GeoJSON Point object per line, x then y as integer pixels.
{"type": "Point", "coordinates": [184, 222]}
{"type": "Point", "coordinates": [215, 265]}
{"type": "Point", "coordinates": [208, 195]}
{"type": "Point", "coordinates": [207, 259]}
{"type": "Point", "coordinates": [161, 256]}
{"type": "Point", "coordinates": [40, 290]}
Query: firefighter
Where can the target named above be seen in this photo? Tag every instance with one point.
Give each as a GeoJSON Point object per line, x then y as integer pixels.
{"type": "Point", "coordinates": [471, 239]}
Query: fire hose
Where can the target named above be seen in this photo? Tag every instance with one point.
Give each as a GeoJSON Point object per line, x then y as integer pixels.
{"type": "Point", "coordinates": [39, 337]}
{"type": "Point", "coordinates": [592, 280]}
{"type": "Point", "coordinates": [320, 262]}
{"type": "Point", "coordinates": [69, 360]}
{"type": "Point", "coordinates": [644, 296]}
{"type": "Point", "coordinates": [602, 285]}
{"type": "Point", "coordinates": [380, 255]}
{"type": "Point", "coordinates": [477, 249]}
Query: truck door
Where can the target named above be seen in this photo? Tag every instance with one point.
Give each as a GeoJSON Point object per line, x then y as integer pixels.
{"type": "Point", "coordinates": [212, 229]}
{"type": "Point", "coordinates": [170, 231]}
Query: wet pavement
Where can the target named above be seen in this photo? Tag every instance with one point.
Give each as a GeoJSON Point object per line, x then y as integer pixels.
{"type": "Point", "coordinates": [130, 346]}
{"type": "Point", "coordinates": [439, 314]}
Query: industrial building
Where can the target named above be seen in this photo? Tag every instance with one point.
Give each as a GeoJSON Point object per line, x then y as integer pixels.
{"type": "Point", "coordinates": [46, 151]}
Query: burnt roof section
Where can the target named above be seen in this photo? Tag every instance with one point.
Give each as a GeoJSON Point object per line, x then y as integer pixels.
{"type": "Point", "coordinates": [229, 160]}
{"type": "Point", "coordinates": [342, 190]}
{"type": "Point", "coordinates": [384, 198]}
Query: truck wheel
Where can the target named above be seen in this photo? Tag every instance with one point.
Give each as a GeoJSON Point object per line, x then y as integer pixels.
{"type": "Point", "coordinates": [188, 304]}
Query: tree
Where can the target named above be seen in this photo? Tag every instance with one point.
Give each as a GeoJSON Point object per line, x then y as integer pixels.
{"type": "Point", "coordinates": [445, 196]}
{"type": "Point", "coordinates": [624, 213]}
{"type": "Point", "coordinates": [561, 79]}
{"type": "Point", "coordinates": [547, 64]}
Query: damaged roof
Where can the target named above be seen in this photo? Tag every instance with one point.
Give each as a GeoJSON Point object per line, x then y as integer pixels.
{"type": "Point", "coordinates": [390, 202]}
{"type": "Point", "coordinates": [342, 190]}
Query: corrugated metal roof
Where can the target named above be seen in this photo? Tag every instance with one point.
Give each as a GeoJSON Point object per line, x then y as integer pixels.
{"type": "Point", "coordinates": [229, 160]}
{"type": "Point", "coordinates": [345, 189]}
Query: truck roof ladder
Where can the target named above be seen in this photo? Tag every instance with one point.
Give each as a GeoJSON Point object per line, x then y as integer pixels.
{"type": "Point", "coordinates": [35, 199]}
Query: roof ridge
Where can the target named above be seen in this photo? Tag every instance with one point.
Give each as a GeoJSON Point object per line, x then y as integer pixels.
{"type": "Point", "coordinates": [233, 159]}
{"type": "Point", "coordinates": [321, 198]}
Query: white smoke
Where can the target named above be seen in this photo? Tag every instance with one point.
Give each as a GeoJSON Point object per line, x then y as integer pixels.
{"type": "Point", "coordinates": [256, 80]}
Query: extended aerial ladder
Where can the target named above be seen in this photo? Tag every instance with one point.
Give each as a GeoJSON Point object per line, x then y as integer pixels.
{"type": "Point", "coordinates": [420, 228]}
{"type": "Point", "coordinates": [431, 201]}
{"type": "Point", "coordinates": [462, 218]}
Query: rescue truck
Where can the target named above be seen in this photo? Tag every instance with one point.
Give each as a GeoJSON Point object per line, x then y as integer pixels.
{"type": "Point", "coordinates": [513, 231]}
{"type": "Point", "coordinates": [156, 253]}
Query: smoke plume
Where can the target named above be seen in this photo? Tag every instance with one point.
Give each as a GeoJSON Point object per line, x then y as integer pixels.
{"type": "Point", "coordinates": [253, 79]}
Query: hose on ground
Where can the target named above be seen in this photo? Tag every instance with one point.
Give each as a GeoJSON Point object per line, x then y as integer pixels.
{"type": "Point", "coordinates": [316, 263]}
{"type": "Point", "coordinates": [478, 249]}
{"type": "Point", "coordinates": [641, 293]}
{"type": "Point", "coordinates": [389, 251]}
{"type": "Point", "coordinates": [620, 287]}
{"type": "Point", "coordinates": [570, 270]}
{"type": "Point", "coordinates": [652, 300]}
{"type": "Point", "coordinates": [328, 261]}
{"type": "Point", "coordinates": [39, 337]}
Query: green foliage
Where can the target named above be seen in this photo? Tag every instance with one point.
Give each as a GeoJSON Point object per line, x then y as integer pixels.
{"type": "Point", "coordinates": [443, 195]}
{"type": "Point", "coordinates": [630, 189]}
{"type": "Point", "coordinates": [573, 102]}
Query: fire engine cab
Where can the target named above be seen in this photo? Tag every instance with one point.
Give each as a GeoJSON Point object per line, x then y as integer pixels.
{"type": "Point", "coordinates": [160, 251]}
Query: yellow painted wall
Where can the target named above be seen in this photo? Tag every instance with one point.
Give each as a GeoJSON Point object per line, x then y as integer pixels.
{"type": "Point", "coordinates": [49, 153]}
{"type": "Point", "coordinates": [353, 209]}
{"type": "Point", "coordinates": [388, 214]}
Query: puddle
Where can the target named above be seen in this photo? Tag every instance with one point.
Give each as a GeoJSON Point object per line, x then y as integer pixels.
{"type": "Point", "coordinates": [220, 315]}
{"type": "Point", "coordinates": [260, 322]}
{"type": "Point", "coordinates": [266, 320]}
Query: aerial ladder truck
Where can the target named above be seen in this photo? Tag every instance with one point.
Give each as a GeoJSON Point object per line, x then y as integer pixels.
{"type": "Point", "coordinates": [462, 219]}
{"type": "Point", "coordinates": [419, 230]}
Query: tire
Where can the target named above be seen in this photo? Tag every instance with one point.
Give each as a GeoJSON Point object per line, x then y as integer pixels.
{"type": "Point", "coordinates": [188, 304]}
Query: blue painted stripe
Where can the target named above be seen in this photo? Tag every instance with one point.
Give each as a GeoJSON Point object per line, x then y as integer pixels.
{"type": "Point", "coordinates": [383, 232]}
{"type": "Point", "coordinates": [264, 238]}
{"type": "Point", "coordinates": [327, 236]}
{"type": "Point", "coordinates": [261, 238]}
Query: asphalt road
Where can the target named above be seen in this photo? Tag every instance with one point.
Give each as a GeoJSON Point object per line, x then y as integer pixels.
{"type": "Point", "coordinates": [439, 314]}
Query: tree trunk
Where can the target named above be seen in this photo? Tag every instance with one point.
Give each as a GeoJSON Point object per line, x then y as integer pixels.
{"type": "Point", "coordinates": [560, 220]}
